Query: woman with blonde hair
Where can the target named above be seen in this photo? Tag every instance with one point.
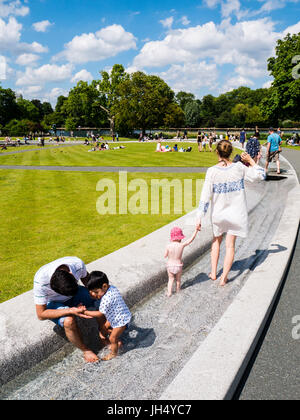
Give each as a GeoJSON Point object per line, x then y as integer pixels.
{"type": "Point", "coordinates": [224, 189]}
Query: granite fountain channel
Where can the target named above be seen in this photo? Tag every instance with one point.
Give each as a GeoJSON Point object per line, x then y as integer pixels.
{"type": "Point", "coordinates": [164, 333]}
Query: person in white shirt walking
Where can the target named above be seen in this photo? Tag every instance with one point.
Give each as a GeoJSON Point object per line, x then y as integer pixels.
{"type": "Point", "coordinates": [224, 189]}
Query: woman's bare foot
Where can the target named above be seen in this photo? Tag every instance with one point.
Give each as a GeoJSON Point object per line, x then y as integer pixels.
{"type": "Point", "coordinates": [90, 357]}
{"type": "Point", "coordinates": [212, 278]}
{"type": "Point", "coordinates": [109, 357]}
{"type": "Point", "coordinates": [223, 282]}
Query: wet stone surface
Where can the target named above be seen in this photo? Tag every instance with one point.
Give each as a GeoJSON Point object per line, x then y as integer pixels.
{"type": "Point", "coordinates": [163, 334]}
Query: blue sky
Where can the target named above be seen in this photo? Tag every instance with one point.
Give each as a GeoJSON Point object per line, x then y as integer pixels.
{"type": "Point", "coordinates": [204, 46]}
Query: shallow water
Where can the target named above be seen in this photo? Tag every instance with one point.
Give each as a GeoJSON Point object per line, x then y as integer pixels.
{"type": "Point", "coordinates": [164, 332]}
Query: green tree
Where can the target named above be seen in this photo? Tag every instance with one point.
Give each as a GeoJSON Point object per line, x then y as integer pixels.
{"type": "Point", "coordinates": [8, 106]}
{"type": "Point", "coordinates": [80, 105]}
{"type": "Point", "coordinates": [27, 110]}
{"type": "Point", "coordinates": [144, 102]}
{"type": "Point", "coordinates": [108, 88]}
{"type": "Point", "coordinates": [283, 99]}
{"type": "Point", "coordinates": [192, 113]}
{"type": "Point", "coordinates": [183, 98]}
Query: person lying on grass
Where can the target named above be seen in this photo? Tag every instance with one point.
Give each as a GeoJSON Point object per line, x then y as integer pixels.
{"type": "Point", "coordinates": [113, 315]}
{"type": "Point", "coordinates": [57, 295]}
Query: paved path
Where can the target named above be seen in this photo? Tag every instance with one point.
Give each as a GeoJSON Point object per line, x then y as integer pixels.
{"type": "Point", "coordinates": [165, 332]}
{"type": "Point", "coordinates": [105, 169]}
{"type": "Point", "coordinates": [275, 374]}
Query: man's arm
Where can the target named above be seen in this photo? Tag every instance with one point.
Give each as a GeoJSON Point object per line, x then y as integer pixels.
{"type": "Point", "coordinates": [44, 314]}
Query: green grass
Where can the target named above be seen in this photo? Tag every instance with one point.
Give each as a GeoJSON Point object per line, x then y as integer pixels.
{"type": "Point", "coordinates": [137, 154]}
{"type": "Point", "coordinates": [47, 215]}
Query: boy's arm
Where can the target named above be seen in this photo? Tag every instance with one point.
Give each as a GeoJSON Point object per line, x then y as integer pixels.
{"type": "Point", "coordinates": [94, 314]}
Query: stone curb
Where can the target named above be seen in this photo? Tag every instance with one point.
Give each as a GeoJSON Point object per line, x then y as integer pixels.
{"type": "Point", "coordinates": [216, 368]}
{"type": "Point", "coordinates": [25, 341]}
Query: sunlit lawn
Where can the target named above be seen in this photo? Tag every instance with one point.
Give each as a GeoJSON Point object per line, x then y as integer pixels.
{"type": "Point", "coordinates": [137, 154]}
{"type": "Point", "coordinates": [47, 215]}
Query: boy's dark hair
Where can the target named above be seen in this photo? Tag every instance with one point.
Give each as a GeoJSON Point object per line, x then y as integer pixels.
{"type": "Point", "coordinates": [97, 280]}
{"type": "Point", "coordinates": [64, 283]}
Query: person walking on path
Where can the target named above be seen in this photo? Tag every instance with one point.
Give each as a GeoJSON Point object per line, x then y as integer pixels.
{"type": "Point", "coordinates": [273, 149]}
{"type": "Point", "coordinates": [224, 189]}
{"type": "Point", "coordinates": [253, 149]}
{"type": "Point", "coordinates": [243, 137]}
{"type": "Point", "coordinates": [57, 296]}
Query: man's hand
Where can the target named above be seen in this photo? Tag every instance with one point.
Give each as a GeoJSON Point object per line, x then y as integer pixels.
{"type": "Point", "coordinates": [79, 311]}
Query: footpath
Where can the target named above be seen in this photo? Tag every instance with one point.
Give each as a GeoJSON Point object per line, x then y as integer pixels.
{"type": "Point", "coordinates": [275, 373]}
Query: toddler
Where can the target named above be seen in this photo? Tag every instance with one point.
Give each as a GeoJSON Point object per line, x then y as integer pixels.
{"type": "Point", "coordinates": [174, 254]}
{"type": "Point", "coordinates": [113, 315]}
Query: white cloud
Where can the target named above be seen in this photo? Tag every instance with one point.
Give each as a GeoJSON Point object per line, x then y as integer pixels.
{"type": "Point", "coordinates": [44, 74]}
{"type": "Point", "coordinates": [268, 84]}
{"type": "Point", "coordinates": [167, 23]}
{"type": "Point", "coordinates": [234, 7]}
{"type": "Point", "coordinates": [10, 36]}
{"type": "Point", "coordinates": [27, 59]}
{"type": "Point", "coordinates": [8, 8]}
{"type": "Point", "coordinates": [107, 42]}
{"type": "Point", "coordinates": [83, 75]}
{"type": "Point", "coordinates": [10, 33]}
{"type": "Point", "coordinates": [236, 82]}
{"type": "Point", "coordinates": [191, 77]}
{"type": "Point", "coordinates": [184, 20]}
{"type": "Point", "coordinates": [245, 45]}
{"type": "Point", "coordinates": [42, 26]}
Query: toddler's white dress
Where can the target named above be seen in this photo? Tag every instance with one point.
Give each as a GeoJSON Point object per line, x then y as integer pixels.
{"type": "Point", "coordinates": [224, 188]}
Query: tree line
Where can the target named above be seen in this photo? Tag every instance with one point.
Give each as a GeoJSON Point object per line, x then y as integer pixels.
{"type": "Point", "coordinates": [125, 102]}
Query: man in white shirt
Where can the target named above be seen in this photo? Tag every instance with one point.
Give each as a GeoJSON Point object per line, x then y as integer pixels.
{"type": "Point", "coordinates": [57, 296]}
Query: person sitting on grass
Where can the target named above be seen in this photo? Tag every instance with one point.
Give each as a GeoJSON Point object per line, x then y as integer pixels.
{"type": "Point", "coordinates": [57, 295]}
{"type": "Point", "coordinates": [113, 315]}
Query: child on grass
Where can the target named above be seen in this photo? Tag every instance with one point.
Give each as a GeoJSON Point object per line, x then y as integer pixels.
{"type": "Point", "coordinates": [113, 312]}
{"type": "Point", "coordinates": [174, 252]}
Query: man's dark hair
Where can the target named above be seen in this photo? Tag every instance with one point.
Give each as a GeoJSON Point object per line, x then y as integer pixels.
{"type": "Point", "coordinates": [64, 283]}
{"type": "Point", "coordinates": [97, 280]}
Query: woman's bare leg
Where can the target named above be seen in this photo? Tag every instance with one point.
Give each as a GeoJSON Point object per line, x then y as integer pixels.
{"type": "Point", "coordinates": [229, 258]}
{"type": "Point", "coordinates": [215, 254]}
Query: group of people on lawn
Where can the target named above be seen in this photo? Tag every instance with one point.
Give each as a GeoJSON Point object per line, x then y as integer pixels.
{"type": "Point", "coordinates": [60, 298]}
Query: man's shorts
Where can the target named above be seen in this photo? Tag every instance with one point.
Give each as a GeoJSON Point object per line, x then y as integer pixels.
{"type": "Point", "coordinates": [82, 296]}
{"type": "Point", "coordinates": [274, 156]}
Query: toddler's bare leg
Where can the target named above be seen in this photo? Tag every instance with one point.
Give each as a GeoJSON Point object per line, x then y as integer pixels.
{"type": "Point", "coordinates": [170, 283]}
{"type": "Point", "coordinates": [178, 282]}
{"type": "Point", "coordinates": [114, 339]}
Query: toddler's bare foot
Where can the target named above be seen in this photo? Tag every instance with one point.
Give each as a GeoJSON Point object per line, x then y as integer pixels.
{"type": "Point", "coordinates": [109, 357]}
{"type": "Point", "coordinates": [90, 357]}
{"type": "Point", "coordinates": [211, 277]}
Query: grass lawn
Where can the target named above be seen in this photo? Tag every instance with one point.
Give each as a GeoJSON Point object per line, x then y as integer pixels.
{"type": "Point", "coordinates": [137, 154]}
{"type": "Point", "coordinates": [47, 215]}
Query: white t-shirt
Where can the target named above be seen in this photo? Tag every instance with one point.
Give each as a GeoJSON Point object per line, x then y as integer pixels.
{"type": "Point", "coordinates": [41, 287]}
{"type": "Point", "coordinates": [114, 308]}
